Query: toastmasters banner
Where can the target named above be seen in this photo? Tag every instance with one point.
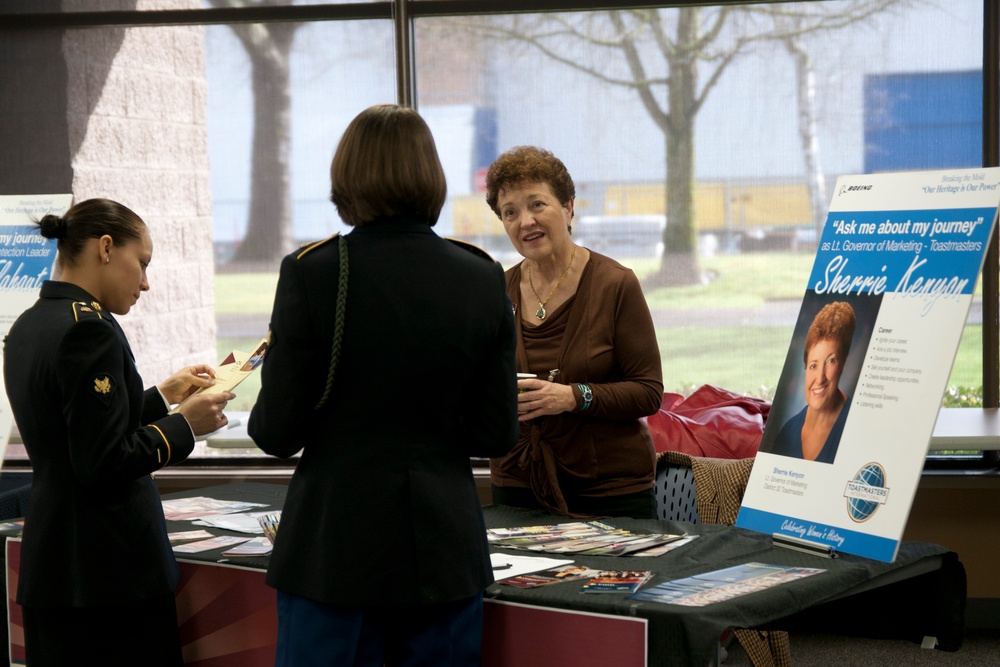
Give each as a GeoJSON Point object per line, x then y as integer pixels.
{"type": "Point", "coordinates": [26, 259]}
{"type": "Point", "coordinates": [870, 358]}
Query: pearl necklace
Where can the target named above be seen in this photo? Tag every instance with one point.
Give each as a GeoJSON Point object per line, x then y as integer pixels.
{"type": "Point", "coordinates": [540, 313]}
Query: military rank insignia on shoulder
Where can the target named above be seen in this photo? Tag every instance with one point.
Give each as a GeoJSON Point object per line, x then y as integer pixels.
{"type": "Point", "coordinates": [102, 386]}
{"type": "Point", "coordinates": [84, 309]}
{"type": "Point", "coordinates": [474, 249]}
{"type": "Point", "coordinates": [305, 249]}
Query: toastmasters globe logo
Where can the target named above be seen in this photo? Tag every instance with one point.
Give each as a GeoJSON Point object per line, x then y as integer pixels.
{"type": "Point", "coordinates": [866, 492]}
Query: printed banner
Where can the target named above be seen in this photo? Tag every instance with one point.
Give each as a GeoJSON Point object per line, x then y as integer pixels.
{"type": "Point", "coordinates": [26, 260]}
{"type": "Point", "coordinates": [870, 358]}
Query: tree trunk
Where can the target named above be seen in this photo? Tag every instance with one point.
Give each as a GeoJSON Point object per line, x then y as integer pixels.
{"type": "Point", "coordinates": [805, 81]}
{"type": "Point", "coordinates": [269, 223]}
{"type": "Point", "coordinates": [679, 263]}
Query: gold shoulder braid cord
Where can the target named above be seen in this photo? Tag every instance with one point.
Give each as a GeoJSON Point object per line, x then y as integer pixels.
{"type": "Point", "coordinates": [338, 327]}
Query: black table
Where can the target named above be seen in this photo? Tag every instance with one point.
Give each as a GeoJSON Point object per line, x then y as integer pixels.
{"type": "Point", "coordinates": [924, 590]}
{"type": "Point", "coordinates": [926, 580]}
{"type": "Point", "coordinates": [271, 496]}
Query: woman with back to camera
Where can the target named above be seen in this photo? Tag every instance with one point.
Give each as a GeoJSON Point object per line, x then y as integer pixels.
{"type": "Point", "coordinates": [583, 328]}
{"type": "Point", "coordinates": [381, 554]}
{"type": "Point", "coordinates": [97, 572]}
{"type": "Point", "coordinates": [814, 433]}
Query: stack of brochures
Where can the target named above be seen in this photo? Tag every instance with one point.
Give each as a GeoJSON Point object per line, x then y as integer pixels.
{"type": "Point", "coordinates": [718, 585]}
{"type": "Point", "coordinates": [601, 581]}
{"type": "Point", "coordinates": [617, 581]}
{"type": "Point", "coordinates": [588, 538]}
{"type": "Point", "coordinates": [224, 514]}
{"type": "Point", "coordinates": [555, 575]}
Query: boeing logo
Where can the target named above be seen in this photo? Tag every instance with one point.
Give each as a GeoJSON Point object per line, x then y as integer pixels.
{"type": "Point", "coordinates": [853, 188]}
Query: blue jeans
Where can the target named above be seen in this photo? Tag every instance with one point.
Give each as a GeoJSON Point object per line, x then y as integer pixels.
{"type": "Point", "coordinates": [315, 634]}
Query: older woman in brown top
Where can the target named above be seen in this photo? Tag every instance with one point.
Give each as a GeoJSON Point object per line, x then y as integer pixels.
{"type": "Point", "coordinates": [584, 330]}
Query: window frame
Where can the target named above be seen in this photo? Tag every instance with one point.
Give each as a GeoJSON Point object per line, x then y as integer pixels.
{"type": "Point", "coordinates": [404, 13]}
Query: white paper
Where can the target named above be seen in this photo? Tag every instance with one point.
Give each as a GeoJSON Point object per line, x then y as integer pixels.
{"type": "Point", "coordinates": [208, 545]}
{"type": "Point", "coordinates": [505, 566]}
{"type": "Point", "coordinates": [240, 523]}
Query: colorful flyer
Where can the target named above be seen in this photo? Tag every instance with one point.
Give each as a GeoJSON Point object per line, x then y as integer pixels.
{"type": "Point", "coordinates": [617, 581]}
{"type": "Point", "coordinates": [556, 575]}
{"type": "Point", "coordinates": [26, 260]}
{"type": "Point", "coordinates": [726, 584]}
{"type": "Point", "coordinates": [235, 368]}
{"type": "Point", "coordinates": [217, 542]}
{"type": "Point", "coordinates": [870, 357]}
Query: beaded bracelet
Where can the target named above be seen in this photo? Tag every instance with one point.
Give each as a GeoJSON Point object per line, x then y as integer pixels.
{"type": "Point", "coordinates": [588, 396]}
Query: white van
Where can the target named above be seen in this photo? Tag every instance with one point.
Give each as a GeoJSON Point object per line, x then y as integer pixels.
{"type": "Point", "coordinates": [621, 235]}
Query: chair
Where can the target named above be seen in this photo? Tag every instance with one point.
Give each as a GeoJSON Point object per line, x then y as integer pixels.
{"type": "Point", "coordinates": [14, 502]}
{"type": "Point", "coordinates": [717, 486]}
{"type": "Point", "coordinates": [675, 492]}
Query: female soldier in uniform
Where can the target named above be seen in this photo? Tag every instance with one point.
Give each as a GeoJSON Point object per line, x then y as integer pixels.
{"type": "Point", "coordinates": [97, 573]}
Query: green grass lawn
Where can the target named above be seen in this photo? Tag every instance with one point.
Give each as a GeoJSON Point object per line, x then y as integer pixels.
{"type": "Point", "coordinates": [244, 293]}
{"type": "Point", "coordinates": [743, 359]}
{"type": "Point", "coordinates": [740, 281]}
{"type": "Point", "coordinates": [746, 360]}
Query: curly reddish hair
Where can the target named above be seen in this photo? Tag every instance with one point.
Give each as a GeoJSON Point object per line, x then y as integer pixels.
{"type": "Point", "coordinates": [835, 322]}
{"type": "Point", "coordinates": [528, 164]}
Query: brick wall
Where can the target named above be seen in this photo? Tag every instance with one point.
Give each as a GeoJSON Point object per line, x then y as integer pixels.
{"type": "Point", "coordinates": [137, 126]}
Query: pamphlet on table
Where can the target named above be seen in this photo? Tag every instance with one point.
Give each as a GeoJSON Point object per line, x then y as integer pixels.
{"type": "Point", "coordinates": [209, 544]}
{"type": "Point", "coordinates": [725, 584]}
{"type": "Point", "coordinates": [588, 538]}
{"type": "Point", "coordinates": [257, 546]}
{"type": "Point", "coordinates": [664, 548]}
{"type": "Point", "coordinates": [197, 507]}
{"type": "Point", "coordinates": [189, 536]}
{"type": "Point", "coordinates": [555, 575]}
{"type": "Point", "coordinates": [855, 406]}
{"type": "Point", "coordinates": [617, 581]}
{"type": "Point", "coordinates": [506, 566]}
{"type": "Point", "coordinates": [232, 515]}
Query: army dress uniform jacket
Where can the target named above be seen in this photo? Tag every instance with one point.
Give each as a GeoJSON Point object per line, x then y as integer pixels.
{"type": "Point", "coordinates": [94, 531]}
{"type": "Point", "coordinates": [382, 508]}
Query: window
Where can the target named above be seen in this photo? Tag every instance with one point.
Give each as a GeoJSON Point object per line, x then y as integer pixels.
{"type": "Point", "coordinates": [783, 98]}
{"type": "Point", "coordinates": [778, 110]}
{"type": "Point", "coordinates": [266, 203]}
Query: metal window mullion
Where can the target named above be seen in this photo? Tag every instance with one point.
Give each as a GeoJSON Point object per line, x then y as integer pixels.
{"type": "Point", "coordinates": [402, 26]}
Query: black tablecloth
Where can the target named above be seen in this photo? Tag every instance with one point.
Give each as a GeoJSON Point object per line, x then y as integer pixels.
{"type": "Point", "coordinates": [688, 635]}
{"type": "Point", "coordinates": [851, 596]}
{"type": "Point", "coordinates": [272, 496]}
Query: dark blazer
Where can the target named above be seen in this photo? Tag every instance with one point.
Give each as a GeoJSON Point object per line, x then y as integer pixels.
{"type": "Point", "coordinates": [789, 440]}
{"type": "Point", "coordinates": [94, 532]}
{"type": "Point", "coordinates": [382, 507]}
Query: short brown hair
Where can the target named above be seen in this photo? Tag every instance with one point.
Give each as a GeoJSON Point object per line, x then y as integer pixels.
{"type": "Point", "coordinates": [836, 322]}
{"type": "Point", "coordinates": [528, 164]}
{"type": "Point", "coordinates": [387, 165]}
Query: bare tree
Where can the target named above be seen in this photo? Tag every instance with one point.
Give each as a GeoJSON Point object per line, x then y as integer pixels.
{"type": "Point", "coordinates": [269, 224]}
{"type": "Point", "coordinates": [805, 80]}
{"type": "Point", "coordinates": [673, 59]}
{"type": "Point", "coordinates": [792, 25]}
